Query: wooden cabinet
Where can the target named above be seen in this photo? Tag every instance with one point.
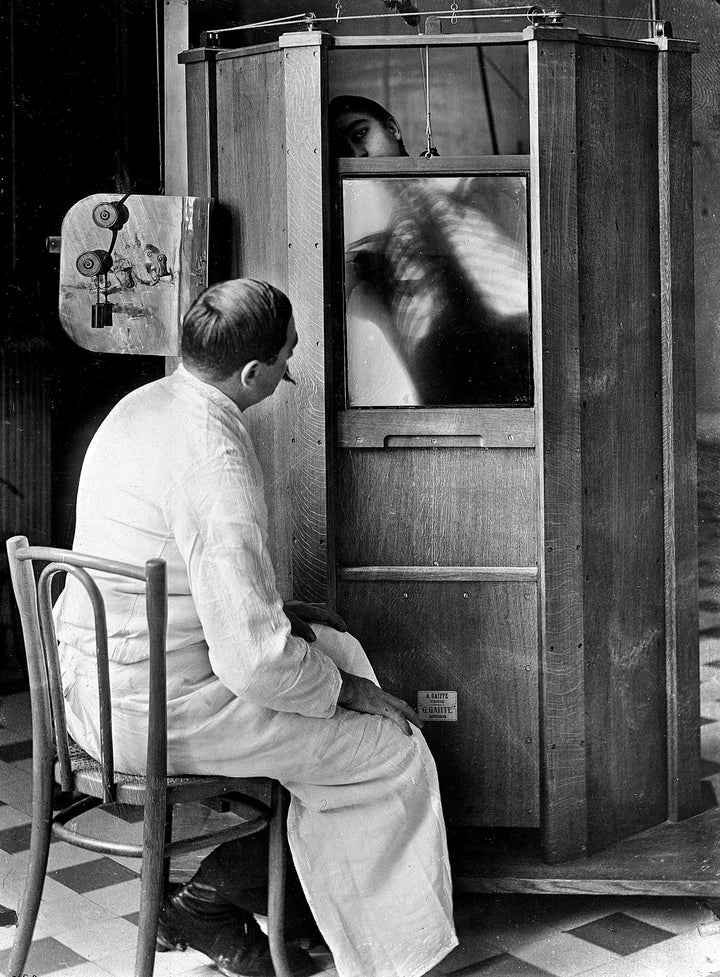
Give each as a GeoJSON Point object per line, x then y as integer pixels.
{"type": "Point", "coordinates": [532, 550]}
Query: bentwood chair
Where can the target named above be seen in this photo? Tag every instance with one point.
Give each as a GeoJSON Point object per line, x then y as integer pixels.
{"type": "Point", "coordinates": [57, 758]}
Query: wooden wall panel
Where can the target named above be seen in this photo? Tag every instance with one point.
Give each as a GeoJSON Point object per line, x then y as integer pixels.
{"type": "Point", "coordinates": [420, 506]}
{"type": "Point", "coordinates": [304, 59]}
{"type": "Point", "coordinates": [554, 238]}
{"type": "Point", "coordinates": [679, 430]}
{"type": "Point", "coordinates": [251, 178]}
{"type": "Point", "coordinates": [201, 122]}
{"type": "Point", "coordinates": [480, 640]}
{"type": "Point", "coordinates": [622, 458]}
{"type": "Point", "coordinates": [25, 488]}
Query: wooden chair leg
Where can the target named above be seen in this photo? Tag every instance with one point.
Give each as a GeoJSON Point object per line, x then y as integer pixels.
{"type": "Point", "coordinates": [41, 832]}
{"type": "Point", "coordinates": [277, 869]}
{"type": "Point", "coordinates": [157, 829]}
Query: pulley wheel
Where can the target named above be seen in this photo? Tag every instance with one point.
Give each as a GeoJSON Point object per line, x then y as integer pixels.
{"type": "Point", "coordinates": [109, 215]}
{"type": "Point", "coordinates": [92, 263]}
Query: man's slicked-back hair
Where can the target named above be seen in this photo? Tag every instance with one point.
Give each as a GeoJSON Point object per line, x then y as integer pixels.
{"type": "Point", "coordinates": [232, 323]}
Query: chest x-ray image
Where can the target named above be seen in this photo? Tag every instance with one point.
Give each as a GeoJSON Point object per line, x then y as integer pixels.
{"type": "Point", "coordinates": [436, 287]}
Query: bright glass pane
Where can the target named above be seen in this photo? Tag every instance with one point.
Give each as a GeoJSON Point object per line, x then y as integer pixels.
{"type": "Point", "coordinates": [436, 291]}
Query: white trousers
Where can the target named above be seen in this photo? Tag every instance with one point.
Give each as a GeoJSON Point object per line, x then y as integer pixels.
{"type": "Point", "coordinates": [365, 826]}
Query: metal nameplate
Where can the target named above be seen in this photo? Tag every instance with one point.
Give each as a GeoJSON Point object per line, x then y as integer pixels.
{"type": "Point", "coordinates": [437, 707]}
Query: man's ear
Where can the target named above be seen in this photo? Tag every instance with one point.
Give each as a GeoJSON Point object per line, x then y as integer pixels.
{"type": "Point", "coordinates": [392, 125]}
{"type": "Point", "coordinates": [249, 373]}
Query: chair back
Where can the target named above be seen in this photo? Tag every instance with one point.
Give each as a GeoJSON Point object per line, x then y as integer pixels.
{"type": "Point", "coordinates": [33, 592]}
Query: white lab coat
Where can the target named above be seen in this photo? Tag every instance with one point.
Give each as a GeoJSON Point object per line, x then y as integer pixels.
{"type": "Point", "coordinates": [171, 473]}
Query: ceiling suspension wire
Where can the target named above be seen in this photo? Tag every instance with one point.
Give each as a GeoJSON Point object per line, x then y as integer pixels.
{"type": "Point", "coordinates": [534, 14]}
{"type": "Point", "coordinates": [309, 18]}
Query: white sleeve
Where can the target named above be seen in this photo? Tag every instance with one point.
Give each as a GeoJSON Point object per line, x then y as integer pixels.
{"type": "Point", "coordinates": [215, 517]}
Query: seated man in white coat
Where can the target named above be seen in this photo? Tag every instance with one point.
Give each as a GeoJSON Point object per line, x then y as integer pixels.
{"type": "Point", "coordinates": [171, 473]}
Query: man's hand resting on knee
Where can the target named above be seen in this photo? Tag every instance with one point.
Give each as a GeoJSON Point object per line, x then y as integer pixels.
{"type": "Point", "coordinates": [362, 695]}
{"type": "Point", "coordinates": [300, 614]}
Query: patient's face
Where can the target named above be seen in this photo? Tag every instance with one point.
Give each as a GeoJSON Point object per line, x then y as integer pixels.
{"type": "Point", "coordinates": [363, 135]}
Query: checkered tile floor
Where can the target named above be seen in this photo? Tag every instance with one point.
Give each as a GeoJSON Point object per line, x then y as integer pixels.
{"type": "Point", "coordinates": [88, 918]}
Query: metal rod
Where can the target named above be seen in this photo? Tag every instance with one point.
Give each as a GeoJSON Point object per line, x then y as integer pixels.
{"type": "Point", "coordinates": [488, 104]}
{"type": "Point", "coordinates": [490, 13]}
{"type": "Point", "coordinates": [633, 20]}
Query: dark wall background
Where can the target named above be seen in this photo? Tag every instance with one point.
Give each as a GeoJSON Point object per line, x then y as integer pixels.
{"type": "Point", "coordinates": [83, 117]}
{"type": "Point", "coordinates": [78, 115]}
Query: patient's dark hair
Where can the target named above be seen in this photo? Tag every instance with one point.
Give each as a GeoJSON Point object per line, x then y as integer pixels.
{"type": "Point", "coordinates": [232, 323]}
{"type": "Point", "coordinates": [356, 103]}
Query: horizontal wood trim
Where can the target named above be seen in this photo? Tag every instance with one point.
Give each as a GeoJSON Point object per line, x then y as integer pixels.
{"type": "Point", "coordinates": [676, 44]}
{"type": "Point", "coordinates": [545, 33]}
{"type": "Point", "coordinates": [443, 574]}
{"type": "Point", "coordinates": [434, 441]}
{"type": "Point", "coordinates": [492, 427]}
{"type": "Point", "coordinates": [429, 40]}
{"type": "Point", "coordinates": [407, 165]}
{"type": "Point", "coordinates": [620, 886]}
{"type": "Point", "coordinates": [245, 52]}
{"type": "Point", "coordinates": [198, 54]}
{"type": "Point", "coordinates": [668, 859]}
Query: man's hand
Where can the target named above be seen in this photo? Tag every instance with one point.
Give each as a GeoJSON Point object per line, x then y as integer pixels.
{"type": "Point", "coordinates": [300, 614]}
{"type": "Point", "coordinates": [362, 695]}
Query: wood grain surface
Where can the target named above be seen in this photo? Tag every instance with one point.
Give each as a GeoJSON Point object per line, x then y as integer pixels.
{"type": "Point", "coordinates": [251, 178]}
{"type": "Point", "coordinates": [479, 640]}
{"type": "Point", "coordinates": [494, 427]}
{"type": "Point", "coordinates": [677, 309]}
{"type": "Point", "coordinates": [622, 459]}
{"type": "Point", "coordinates": [305, 83]}
{"type": "Point", "coordinates": [671, 859]}
{"type": "Point", "coordinates": [418, 506]}
{"type": "Point", "coordinates": [554, 241]}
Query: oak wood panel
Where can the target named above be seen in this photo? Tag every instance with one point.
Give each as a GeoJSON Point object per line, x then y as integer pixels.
{"type": "Point", "coordinates": [305, 74]}
{"type": "Point", "coordinates": [250, 153]}
{"type": "Point", "coordinates": [201, 126]}
{"type": "Point", "coordinates": [554, 290]}
{"type": "Point", "coordinates": [622, 461]}
{"type": "Point", "coordinates": [478, 639]}
{"type": "Point", "coordinates": [437, 573]}
{"type": "Point", "coordinates": [497, 427]}
{"type": "Point", "coordinates": [427, 40]}
{"type": "Point", "coordinates": [390, 166]}
{"type": "Point", "coordinates": [668, 859]}
{"type": "Point", "coordinates": [417, 506]}
{"type": "Point", "coordinates": [677, 309]}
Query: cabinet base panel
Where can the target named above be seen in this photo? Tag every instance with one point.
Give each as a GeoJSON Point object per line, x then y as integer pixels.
{"type": "Point", "coordinates": [673, 858]}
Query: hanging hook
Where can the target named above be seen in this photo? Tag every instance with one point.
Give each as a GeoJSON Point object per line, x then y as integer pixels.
{"type": "Point", "coordinates": [429, 150]}
{"type": "Point", "coordinates": [453, 10]}
{"type": "Point", "coordinates": [338, 11]}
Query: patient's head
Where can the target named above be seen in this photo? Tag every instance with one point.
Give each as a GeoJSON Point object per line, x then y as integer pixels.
{"type": "Point", "coordinates": [360, 127]}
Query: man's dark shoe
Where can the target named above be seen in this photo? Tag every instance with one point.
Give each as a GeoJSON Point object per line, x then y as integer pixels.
{"type": "Point", "coordinates": [196, 916]}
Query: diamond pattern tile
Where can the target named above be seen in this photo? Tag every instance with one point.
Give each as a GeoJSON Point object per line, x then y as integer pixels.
{"type": "Point", "coordinates": [503, 965]}
{"type": "Point", "coordinates": [46, 956]}
{"type": "Point", "coordinates": [89, 876]}
{"type": "Point", "coordinates": [621, 933]}
{"type": "Point", "coordinates": [15, 839]}
{"type": "Point", "coordinates": [8, 917]}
